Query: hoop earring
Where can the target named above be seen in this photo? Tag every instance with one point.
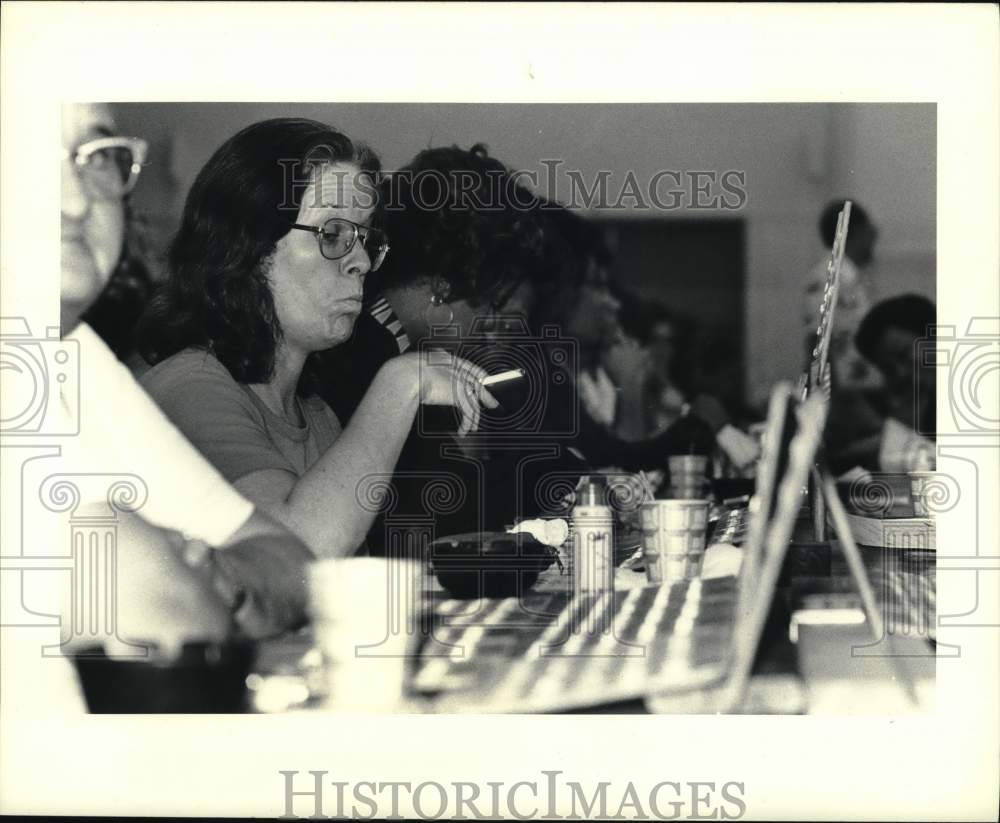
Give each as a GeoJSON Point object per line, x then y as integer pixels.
{"type": "Point", "coordinates": [433, 315]}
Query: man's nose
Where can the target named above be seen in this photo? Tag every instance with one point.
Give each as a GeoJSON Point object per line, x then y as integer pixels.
{"type": "Point", "coordinates": [75, 200]}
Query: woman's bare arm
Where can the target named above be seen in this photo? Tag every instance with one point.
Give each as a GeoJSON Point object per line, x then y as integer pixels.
{"type": "Point", "coordinates": [328, 507]}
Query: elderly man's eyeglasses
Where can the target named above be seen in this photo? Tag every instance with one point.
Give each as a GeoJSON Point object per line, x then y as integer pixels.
{"type": "Point", "coordinates": [109, 166]}
{"type": "Point", "coordinates": [337, 237]}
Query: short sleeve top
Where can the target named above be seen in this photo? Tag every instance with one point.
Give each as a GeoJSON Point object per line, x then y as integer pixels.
{"type": "Point", "coordinates": [230, 425]}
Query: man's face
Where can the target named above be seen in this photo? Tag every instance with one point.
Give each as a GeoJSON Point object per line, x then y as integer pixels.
{"type": "Point", "coordinates": [593, 319]}
{"type": "Point", "coordinates": [895, 358]}
{"type": "Point", "coordinates": [93, 226]}
{"type": "Point", "coordinates": [861, 244]}
{"type": "Point", "coordinates": [663, 344]}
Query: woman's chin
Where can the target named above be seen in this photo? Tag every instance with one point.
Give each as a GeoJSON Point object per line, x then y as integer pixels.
{"type": "Point", "coordinates": [340, 330]}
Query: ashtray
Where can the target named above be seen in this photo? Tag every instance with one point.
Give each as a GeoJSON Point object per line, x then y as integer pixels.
{"type": "Point", "coordinates": [489, 564]}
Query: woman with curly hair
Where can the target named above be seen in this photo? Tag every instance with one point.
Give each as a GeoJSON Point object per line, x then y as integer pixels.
{"type": "Point", "coordinates": [465, 243]}
{"type": "Point", "coordinates": [268, 268]}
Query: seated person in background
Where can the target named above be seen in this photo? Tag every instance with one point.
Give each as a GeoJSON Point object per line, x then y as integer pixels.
{"type": "Point", "coordinates": [571, 291]}
{"type": "Point", "coordinates": [267, 269]}
{"type": "Point", "coordinates": [644, 362]}
{"type": "Point", "coordinates": [892, 428]}
{"type": "Point", "coordinates": [574, 299]}
{"type": "Point", "coordinates": [170, 586]}
{"type": "Point", "coordinates": [593, 322]}
{"type": "Point", "coordinates": [849, 367]}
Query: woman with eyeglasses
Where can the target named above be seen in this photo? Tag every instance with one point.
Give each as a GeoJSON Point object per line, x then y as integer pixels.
{"type": "Point", "coordinates": [277, 238]}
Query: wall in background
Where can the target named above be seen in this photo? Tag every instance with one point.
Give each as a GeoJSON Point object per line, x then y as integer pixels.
{"type": "Point", "coordinates": [795, 157]}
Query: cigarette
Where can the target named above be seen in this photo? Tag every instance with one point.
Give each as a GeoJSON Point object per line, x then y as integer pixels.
{"type": "Point", "coordinates": [502, 377]}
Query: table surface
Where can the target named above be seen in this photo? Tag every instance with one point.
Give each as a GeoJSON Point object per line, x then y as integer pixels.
{"type": "Point", "coordinates": [833, 668]}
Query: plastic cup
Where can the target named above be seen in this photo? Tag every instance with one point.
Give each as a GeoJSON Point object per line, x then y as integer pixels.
{"type": "Point", "coordinates": [687, 476]}
{"type": "Point", "coordinates": [365, 621]}
{"type": "Point", "coordinates": [673, 538]}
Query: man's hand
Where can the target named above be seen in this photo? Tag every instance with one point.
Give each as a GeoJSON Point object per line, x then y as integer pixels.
{"type": "Point", "coordinates": [265, 577]}
{"type": "Point", "coordinates": [158, 598]}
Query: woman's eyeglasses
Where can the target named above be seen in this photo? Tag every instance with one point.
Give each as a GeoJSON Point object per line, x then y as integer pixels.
{"type": "Point", "coordinates": [109, 166]}
{"type": "Point", "coordinates": [337, 237]}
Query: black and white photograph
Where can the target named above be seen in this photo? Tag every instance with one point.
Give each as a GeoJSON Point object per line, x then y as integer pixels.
{"type": "Point", "coordinates": [439, 411]}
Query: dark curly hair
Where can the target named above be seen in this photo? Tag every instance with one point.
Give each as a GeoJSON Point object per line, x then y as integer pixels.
{"type": "Point", "coordinates": [242, 203]}
{"type": "Point", "coordinates": [828, 220]}
{"type": "Point", "coordinates": [911, 312]}
{"type": "Point", "coordinates": [463, 216]}
{"type": "Point", "coordinates": [570, 245]}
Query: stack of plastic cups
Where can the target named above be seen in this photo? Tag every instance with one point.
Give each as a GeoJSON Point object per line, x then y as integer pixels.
{"type": "Point", "coordinates": [687, 476]}
{"type": "Point", "coordinates": [673, 539]}
{"type": "Point", "coordinates": [364, 612]}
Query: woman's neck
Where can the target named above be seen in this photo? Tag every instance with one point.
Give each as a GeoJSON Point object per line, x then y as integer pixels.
{"type": "Point", "coordinates": [279, 392]}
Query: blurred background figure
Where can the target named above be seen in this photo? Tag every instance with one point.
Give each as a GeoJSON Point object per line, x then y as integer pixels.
{"type": "Point", "coordinates": [644, 363]}
{"type": "Point", "coordinates": [849, 368]}
{"type": "Point", "coordinates": [890, 428]}
{"type": "Point", "coordinates": [573, 292]}
{"type": "Point", "coordinates": [652, 364]}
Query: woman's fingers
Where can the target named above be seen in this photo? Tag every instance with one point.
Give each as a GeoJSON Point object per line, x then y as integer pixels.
{"type": "Point", "coordinates": [468, 400]}
{"type": "Point", "coordinates": [469, 371]}
{"type": "Point", "coordinates": [457, 383]}
{"type": "Point", "coordinates": [488, 399]}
